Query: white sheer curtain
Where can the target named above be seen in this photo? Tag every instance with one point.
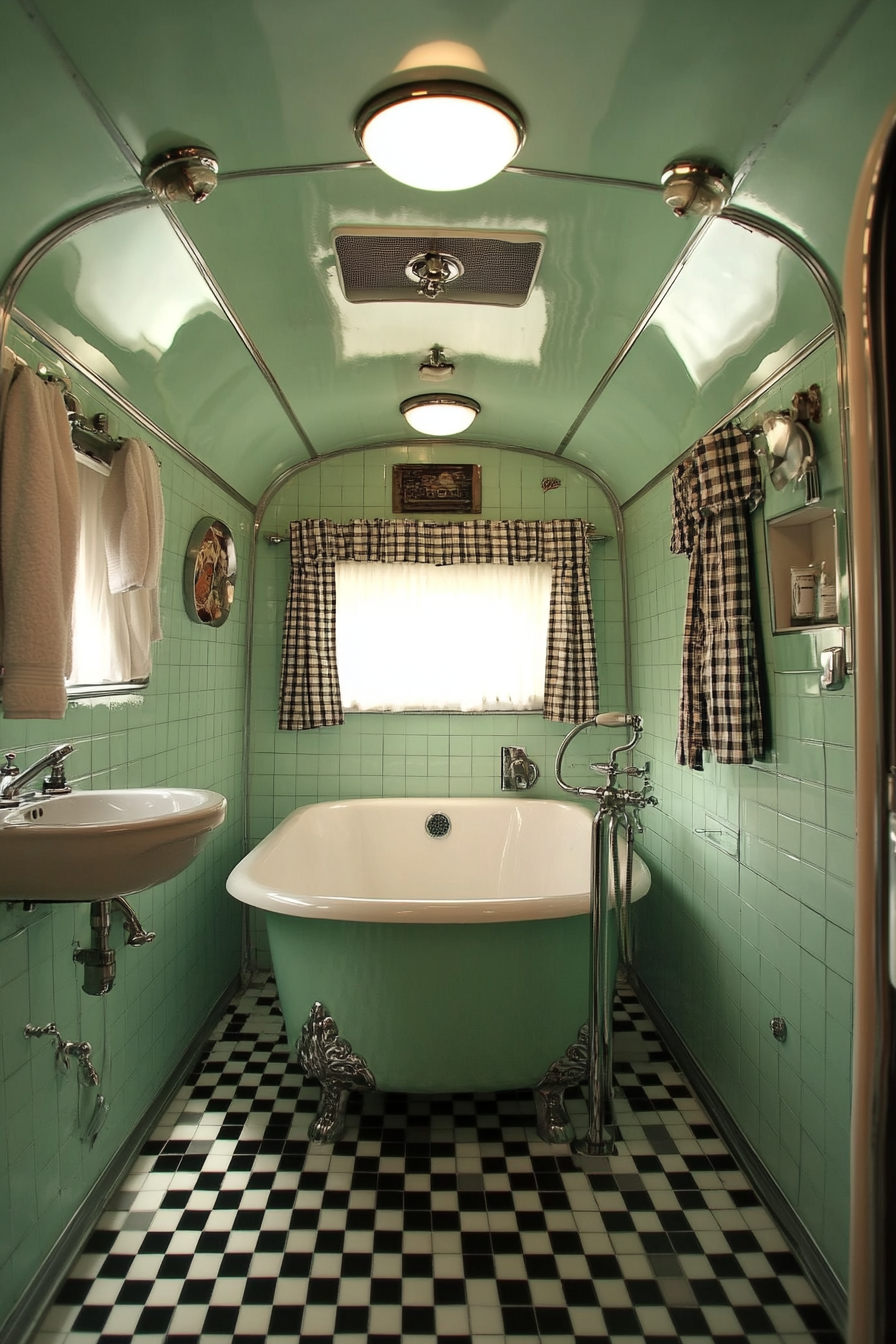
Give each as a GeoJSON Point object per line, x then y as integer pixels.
{"type": "Point", "coordinates": [103, 645]}
{"type": "Point", "coordinates": [465, 637]}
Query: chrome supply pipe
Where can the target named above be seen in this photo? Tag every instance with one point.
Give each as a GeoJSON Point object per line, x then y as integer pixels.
{"type": "Point", "coordinates": [614, 807]}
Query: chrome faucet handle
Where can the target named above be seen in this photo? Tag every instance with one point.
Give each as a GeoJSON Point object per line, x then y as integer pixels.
{"type": "Point", "coordinates": [518, 771]}
{"type": "Point", "coordinates": [7, 768]}
{"type": "Point", "coordinates": [55, 782]}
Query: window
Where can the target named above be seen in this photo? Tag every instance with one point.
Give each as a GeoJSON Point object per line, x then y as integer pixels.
{"type": "Point", "coordinates": [310, 692]}
{"type": "Point", "coordinates": [460, 637]}
{"type": "Point", "coordinates": [107, 649]}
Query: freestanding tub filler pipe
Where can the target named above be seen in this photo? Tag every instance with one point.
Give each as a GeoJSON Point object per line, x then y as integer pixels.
{"type": "Point", "coordinates": [616, 809]}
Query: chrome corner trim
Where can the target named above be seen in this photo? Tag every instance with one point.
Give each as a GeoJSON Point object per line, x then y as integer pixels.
{"type": "Point", "coordinates": [326, 1056]}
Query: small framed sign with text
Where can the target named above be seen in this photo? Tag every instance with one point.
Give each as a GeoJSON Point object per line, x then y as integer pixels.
{"type": "Point", "coordinates": [434, 487]}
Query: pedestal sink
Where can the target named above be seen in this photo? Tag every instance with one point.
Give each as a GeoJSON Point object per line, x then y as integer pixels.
{"type": "Point", "coordinates": [97, 845]}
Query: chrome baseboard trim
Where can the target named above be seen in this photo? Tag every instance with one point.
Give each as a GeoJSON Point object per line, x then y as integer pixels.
{"type": "Point", "coordinates": [26, 1315]}
{"type": "Point", "coordinates": [816, 1267]}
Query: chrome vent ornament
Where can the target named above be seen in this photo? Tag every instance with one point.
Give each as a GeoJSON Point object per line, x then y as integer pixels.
{"type": "Point", "coordinates": [432, 271]}
{"type": "Point", "coordinates": [437, 825]}
{"type": "Point", "coordinates": [378, 265]}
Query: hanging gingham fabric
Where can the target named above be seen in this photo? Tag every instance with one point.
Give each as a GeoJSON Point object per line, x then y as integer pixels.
{"type": "Point", "coordinates": [309, 679]}
{"type": "Point", "coordinates": [719, 708]}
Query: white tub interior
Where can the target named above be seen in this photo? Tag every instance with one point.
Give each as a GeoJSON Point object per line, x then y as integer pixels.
{"type": "Point", "coordinates": [373, 860]}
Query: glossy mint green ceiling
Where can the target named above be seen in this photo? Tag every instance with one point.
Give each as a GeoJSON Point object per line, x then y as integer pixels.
{"type": "Point", "coordinates": [265, 363]}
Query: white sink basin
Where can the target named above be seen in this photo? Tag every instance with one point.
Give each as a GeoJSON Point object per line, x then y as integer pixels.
{"type": "Point", "coordinates": [106, 843]}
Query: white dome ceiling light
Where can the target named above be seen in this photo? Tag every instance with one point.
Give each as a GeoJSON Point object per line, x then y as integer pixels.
{"type": "Point", "coordinates": [440, 414]}
{"type": "Point", "coordinates": [440, 134]}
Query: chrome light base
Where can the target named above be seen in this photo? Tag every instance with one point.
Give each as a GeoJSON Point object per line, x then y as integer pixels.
{"type": "Point", "coordinates": [186, 174]}
{"type": "Point", "coordinates": [694, 188]}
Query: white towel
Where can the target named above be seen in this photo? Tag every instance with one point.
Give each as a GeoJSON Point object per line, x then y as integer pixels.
{"type": "Point", "coordinates": [39, 524]}
{"type": "Point", "coordinates": [134, 530]}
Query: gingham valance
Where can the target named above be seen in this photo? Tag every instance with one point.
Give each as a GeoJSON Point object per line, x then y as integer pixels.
{"type": "Point", "coordinates": [309, 679]}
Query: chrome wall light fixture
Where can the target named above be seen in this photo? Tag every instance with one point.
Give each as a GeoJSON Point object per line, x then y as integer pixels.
{"type": "Point", "coordinates": [440, 413]}
{"type": "Point", "coordinates": [186, 174]}
{"type": "Point", "coordinates": [694, 188]}
{"type": "Point", "coordinates": [440, 134]}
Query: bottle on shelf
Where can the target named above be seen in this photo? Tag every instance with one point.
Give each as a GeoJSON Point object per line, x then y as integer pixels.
{"type": "Point", "coordinates": [826, 599]}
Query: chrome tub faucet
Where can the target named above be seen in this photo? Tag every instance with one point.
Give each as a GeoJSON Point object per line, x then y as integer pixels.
{"type": "Point", "coordinates": [518, 772]}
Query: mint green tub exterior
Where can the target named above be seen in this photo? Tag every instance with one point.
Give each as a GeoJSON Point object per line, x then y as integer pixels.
{"type": "Point", "coordinates": [439, 1007]}
{"type": "Point", "coordinates": [457, 964]}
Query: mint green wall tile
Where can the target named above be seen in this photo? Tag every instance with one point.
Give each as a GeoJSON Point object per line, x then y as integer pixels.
{"type": "Point", "coordinates": [795, 813]}
{"type": "Point", "coordinates": [185, 728]}
{"type": "Point", "coordinates": [840, 767]}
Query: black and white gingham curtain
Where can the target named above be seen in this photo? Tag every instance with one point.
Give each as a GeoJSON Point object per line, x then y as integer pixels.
{"type": "Point", "coordinates": [309, 679]}
{"type": "Point", "coordinates": [713, 492]}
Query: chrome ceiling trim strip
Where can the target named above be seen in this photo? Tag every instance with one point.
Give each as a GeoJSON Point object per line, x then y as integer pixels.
{"type": "Point", "coordinates": [35, 330]}
{"type": "Point", "coordinates": [626, 347]}
{"type": "Point", "coordinates": [84, 89]}
{"type": "Point", "coordinates": [230, 313]}
{"type": "Point", "coordinates": [557, 175]}
{"type": "Point", "coordinates": [552, 174]}
{"type": "Point", "coordinates": [293, 170]}
{"type": "Point", "coordinates": [795, 360]}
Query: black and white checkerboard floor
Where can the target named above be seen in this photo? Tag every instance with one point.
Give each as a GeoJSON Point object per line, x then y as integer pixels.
{"type": "Point", "coordinates": [434, 1219]}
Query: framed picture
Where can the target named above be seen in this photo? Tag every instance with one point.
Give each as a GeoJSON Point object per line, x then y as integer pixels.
{"type": "Point", "coordinates": [435, 487]}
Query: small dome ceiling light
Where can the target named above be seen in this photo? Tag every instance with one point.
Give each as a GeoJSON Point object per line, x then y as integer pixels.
{"type": "Point", "coordinates": [188, 174]}
{"type": "Point", "coordinates": [432, 271]}
{"type": "Point", "coordinates": [440, 414]}
{"type": "Point", "coordinates": [440, 134]}
{"type": "Point", "coordinates": [694, 188]}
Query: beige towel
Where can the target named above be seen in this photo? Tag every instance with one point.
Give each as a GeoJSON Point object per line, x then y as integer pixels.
{"type": "Point", "coordinates": [39, 524]}
{"type": "Point", "coordinates": [134, 530]}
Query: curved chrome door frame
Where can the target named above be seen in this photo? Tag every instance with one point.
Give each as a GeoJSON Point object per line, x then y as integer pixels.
{"type": "Point", "coordinates": [870, 288]}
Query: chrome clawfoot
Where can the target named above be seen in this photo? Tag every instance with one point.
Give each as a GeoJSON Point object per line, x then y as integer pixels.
{"type": "Point", "coordinates": [326, 1056]}
{"type": "Point", "coordinates": [551, 1117]}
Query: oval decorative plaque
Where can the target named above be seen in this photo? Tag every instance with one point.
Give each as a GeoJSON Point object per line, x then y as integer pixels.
{"type": "Point", "coordinates": [210, 572]}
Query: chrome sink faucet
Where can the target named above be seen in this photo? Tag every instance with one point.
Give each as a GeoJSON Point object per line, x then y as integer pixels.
{"type": "Point", "coordinates": [518, 772]}
{"type": "Point", "coordinates": [13, 780]}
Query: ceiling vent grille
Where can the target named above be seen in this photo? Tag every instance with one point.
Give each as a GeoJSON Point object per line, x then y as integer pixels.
{"type": "Point", "coordinates": [498, 268]}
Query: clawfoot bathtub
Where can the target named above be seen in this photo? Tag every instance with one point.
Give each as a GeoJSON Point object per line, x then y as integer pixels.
{"type": "Point", "coordinates": [431, 945]}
